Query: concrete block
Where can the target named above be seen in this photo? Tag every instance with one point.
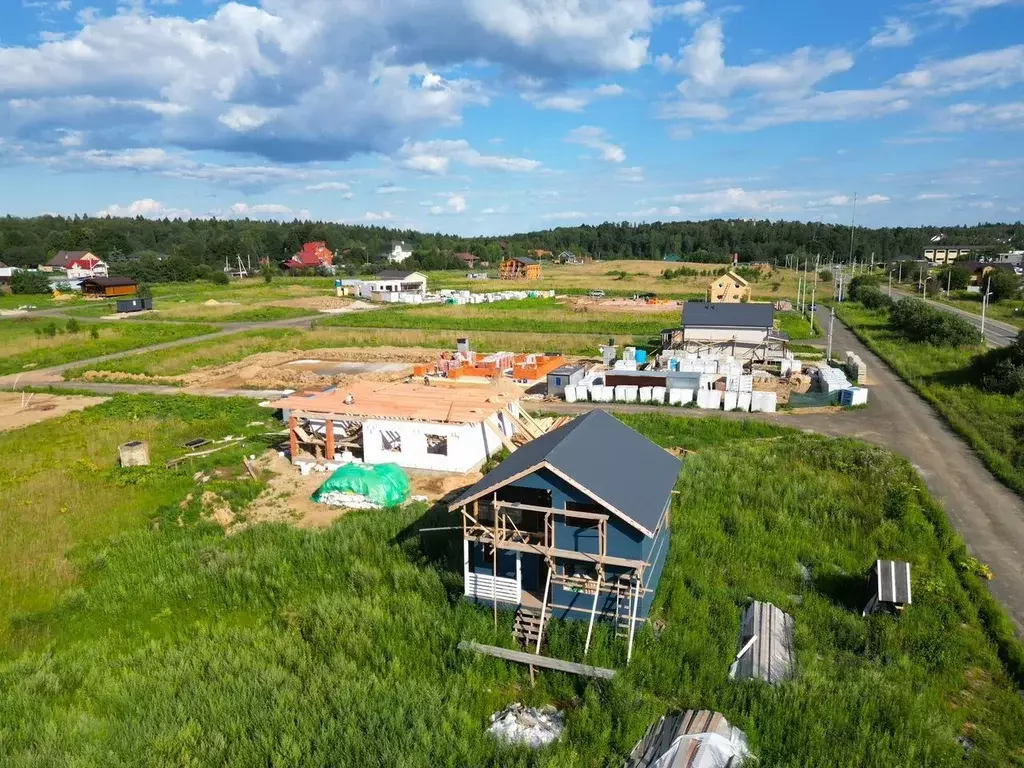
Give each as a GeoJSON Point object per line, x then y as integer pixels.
{"type": "Point", "coordinates": [646, 394]}
{"type": "Point", "coordinates": [731, 400]}
{"type": "Point", "coordinates": [658, 394]}
{"type": "Point", "coordinates": [743, 401]}
{"type": "Point", "coordinates": [134, 454]}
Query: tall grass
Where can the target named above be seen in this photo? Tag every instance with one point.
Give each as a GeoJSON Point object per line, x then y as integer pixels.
{"type": "Point", "coordinates": [991, 423]}
{"type": "Point", "coordinates": [27, 343]}
{"type": "Point", "coordinates": [280, 646]}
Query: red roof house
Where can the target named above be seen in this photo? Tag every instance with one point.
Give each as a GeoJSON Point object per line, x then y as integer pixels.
{"type": "Point", "coordinates": [468, 258]}
{"type": "Point", "coordinates": [311, 256]}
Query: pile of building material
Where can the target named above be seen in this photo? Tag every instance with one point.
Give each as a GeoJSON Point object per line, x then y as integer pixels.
{"type": "Point", "coordinates": [855, 367]}
{"type": "Point", "coordinates": [527, 726]}
{"type": "Point", "coordinates": [691, 362]}
{"type": "Point", "coordinates": [466, 297]}
{"type": "Point", "coordinates": [766, 644]}
{"type": "Point", "coordinates": [692, 739]}
{"type": "Point", "coordinates": [832, 379]}
{"type": "Point", "coordinates": [789, 366]}
{"type": "Point", "coordinates": [464, 362]}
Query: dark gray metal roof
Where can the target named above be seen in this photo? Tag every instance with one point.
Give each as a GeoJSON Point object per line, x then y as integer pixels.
{"type": "Point", "coordinates": [698, 314]}
{"type": "Point", "coordinates": [893, 578]}
{"type": "Point", "coordinates": [599, 453]}
{"type": "Point", "coordinates": [523, 259]}
{"type": "Point", "coordinates": [769, 633]}
{"type": "Point", "coordinates": [566, 370]}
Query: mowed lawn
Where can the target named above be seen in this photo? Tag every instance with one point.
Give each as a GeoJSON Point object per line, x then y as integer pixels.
{"type": "Point", "coordinates": [27, 344]}
{"type": "Point", "coordinates": [526, 316]}
{"type": "Point", "coordinates": [993, 424]}
{"type": "Point", "coordinates": [229, 349]}
{"type": "Point", "coordinates": [173, 644]}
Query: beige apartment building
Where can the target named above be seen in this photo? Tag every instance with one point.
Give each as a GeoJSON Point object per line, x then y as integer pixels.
{"type": "Point", "coordinates": [947, 254]}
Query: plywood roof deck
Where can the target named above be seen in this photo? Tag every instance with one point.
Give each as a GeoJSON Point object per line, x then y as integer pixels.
{"type": "Point", "coordinates": [401, 401]}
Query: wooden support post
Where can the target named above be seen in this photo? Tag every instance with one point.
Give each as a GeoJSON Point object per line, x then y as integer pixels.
{"type": "Point", "coordinates": [632, 620]}
{"type": "Point", "coordinates": [593, 614]}
{"type": "Point", "coordinates": [293, 440]}
{"type": "Point", "coordinates": [329, 438]}
{"type": "Point", "coordinates": [494, 573]}
{"type": "Point", "coordinates": [543, 609]}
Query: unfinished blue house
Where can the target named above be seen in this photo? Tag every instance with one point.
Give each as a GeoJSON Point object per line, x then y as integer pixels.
{"type": "Point", "coordinates": [573, 525]}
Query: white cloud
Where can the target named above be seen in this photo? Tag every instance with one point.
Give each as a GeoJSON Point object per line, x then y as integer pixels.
{"type": "Point", "coordinates": [147, 208]}
{"type": "Point", "coordinates": [689, 10]}
{"type": "Point", "coordinates": [964, 8]}
{"type": "Point", "coordinates": [693, 110]}
{"type": "Point", "coordinates": [597, 139]}
{"type": "Point", "coordinates": [874, 199]}
{"type": "Point", "coordinates": [926, 196]}
{"type": "Point", "coordinates": [355, 76]}
{"type": "Point", "coordinates": [737, 200]}
{"type": "Point", "coordinates": [632, 174]}
{"type": "Point", "coordinates": [1000, 68]}
{"type": "Point", "coordinates": [894, 34]}
{"type": "Point", "coordinates": [382, 216]}
{"type": "Point", "coordinates": [495, 211]}
{"type": "Point", "coordinates": [436, 156]}
{"type": "Point", "coordinates": [245, 210]}
{"type": "Point", "coordinates": [455, 204]}
{"type": "Point", "coordinates": [703, 63]}
{"type": "Point", "coordinates": [571, 101]}
{"type": "Point", "coordinates": [837, 201]}
{"type": "Point", "coordinates": [328, 186]}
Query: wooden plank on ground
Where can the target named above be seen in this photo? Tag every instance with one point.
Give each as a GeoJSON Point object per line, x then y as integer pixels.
{"type": "Point", "coordinates": [560, 665]}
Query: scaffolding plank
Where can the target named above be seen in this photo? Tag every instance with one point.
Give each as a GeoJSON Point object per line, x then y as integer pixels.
{"type": "Point", "coordinates": [559, 665]}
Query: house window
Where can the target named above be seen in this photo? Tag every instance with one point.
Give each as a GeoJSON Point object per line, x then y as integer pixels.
{"type": "Point", "coordinates": [437, 445]}
{"type": "Point", "coordinates": [391, 442]}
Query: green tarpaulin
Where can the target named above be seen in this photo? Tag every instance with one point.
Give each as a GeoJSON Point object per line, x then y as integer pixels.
{"type": "Point", "coordinates": [383, 484]}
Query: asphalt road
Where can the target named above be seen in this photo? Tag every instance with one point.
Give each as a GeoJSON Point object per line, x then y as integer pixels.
{"type": "Point", "coordinates": [997, 333]}
{"type": "Point", "coordinates": [987, 515]}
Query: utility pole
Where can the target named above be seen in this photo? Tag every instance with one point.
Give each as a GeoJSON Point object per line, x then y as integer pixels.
{"type": "Point", "coordinates": [890, 285]}
{"type": "Point", "coordinates": [949, 281]}
{"type": "Point", "coordinates": [984, 306]}
{"type": "Point", "coordinates": [810, 315]}
{"type": "Point", "coordinates": [831, 322]}
{"type": "Point", "coordinates": [900, 278]}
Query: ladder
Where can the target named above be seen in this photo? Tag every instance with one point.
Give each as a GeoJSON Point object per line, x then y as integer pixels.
{"type": "Point", "coordinates": [527, 626]}
{"type": "Point", "coordinates": [623, 609]}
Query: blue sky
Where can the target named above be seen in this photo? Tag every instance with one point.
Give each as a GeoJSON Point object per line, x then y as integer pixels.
{"type": "Point", "coordinates": [486, 117]}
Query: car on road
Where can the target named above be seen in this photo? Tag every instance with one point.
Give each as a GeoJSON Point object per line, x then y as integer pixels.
{"type": "Point", "coordinates": [596, 294]}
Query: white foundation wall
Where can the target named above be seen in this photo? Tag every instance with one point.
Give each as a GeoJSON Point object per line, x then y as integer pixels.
{"type": "Point", "coordinates": [468, 444]}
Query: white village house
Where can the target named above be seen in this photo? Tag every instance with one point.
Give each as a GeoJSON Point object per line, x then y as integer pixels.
{"type": "Point", "coordinates": [399, 253]}
{"type": "Point", "coordinates": [395, 286]}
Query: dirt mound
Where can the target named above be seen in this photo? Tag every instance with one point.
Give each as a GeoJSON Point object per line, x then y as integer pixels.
{"type": "Point", "coordinates": [218, 509]}
{"type": "Point", "coordinates": [215, 303]}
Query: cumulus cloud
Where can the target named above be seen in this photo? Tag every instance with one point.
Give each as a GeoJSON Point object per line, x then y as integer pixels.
{"type": "Point", "coordinates": [736, 200]}
{"type": "Point", "coordinates": [260, 210]}
{"type": "Point", "coordinates": [496, 210]}
{"type": "Point", "coordinates": [836, 201]}
{"type": "Point", "coordinates": [596, 138]}
{"type": "Point", "coordinates": [574, 100]}
{"type": "Point", "coordinates": [689, 10]}
{"type": "Point", "coordinates": [436, 157]}
{"type": "Point", "coordinates": [964, 8]}
{"type": "Point", "coordinates": [930, 196]}
{"type": "Point", "coordinates": [147, 208]}
{"type": "Point", "coordinates": [564, 216]}
{"type": "Point", "coordinates": [328, 186]}
{"type": "Point", "coordinates": [382, 216]}
{"type": "Point", "coordinates": [298, 80]}
{"type": "Point", "coordinates": [895, 33]}
{"type": "Point", "coordinates": [454, 204]}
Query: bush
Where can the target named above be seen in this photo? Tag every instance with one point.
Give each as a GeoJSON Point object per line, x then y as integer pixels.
{"type": "Point", "coordinates": [860, 284]}
{"type": "Point", "coordinates": [918, 322]}
{"type": "Point", "coordinates": [219, 278]}
{"type": "Point", "coordinates": [73, 326]}
{"type": "Point", "coordinates": [873, 298]}
{"type": "Point", "coordinates": [1003, 284]}
{"type": "Point", "coordinates": [1002, 370]}
{"type": "Point", "coordinates": [145, 291]}
{"type": "Point", "coordinates": [94, 332]}
{"type": "Point", "coordinates": [955, 278]}
{"type": "Point", "coordinates": [23, 282]}
{"type": "Point", "coordinates": [825, 276]}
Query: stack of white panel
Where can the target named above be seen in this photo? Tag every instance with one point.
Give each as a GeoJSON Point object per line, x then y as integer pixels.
{"type": "Point", "coordinates": [570, 394]}
{"type": "Point", "coordinates": [746, 383]}
{"type": "Point", "coordinates": [709, 399]}
{"type": "Point", "coordinates": [731, 400]}
{"type": "Point", "coordinates": [632, 393]}
{"type": "Point", "coordinates": [832, 379]}
{"type": "Point", "coordinates": [797, 366]}
{"type": "Point", "coordinates": [732, 383]}
{"type": "Point", "coordinates": [646, 394]}
{"type": "Point", "coordinates": [763, 402]}
{"type": "Point", "coordinates": [679, 396]}
{"type": "Point", "coordinates": [658, 395]}
{"type": "Point", "coordinates": [707, 379]}
{"type": "Point", "coordinates": [625, 365]}
{"type": "Point", "coordinates": [744, 400]}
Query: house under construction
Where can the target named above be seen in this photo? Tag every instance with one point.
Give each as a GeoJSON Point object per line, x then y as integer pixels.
{"type": "Point", "coordinates": [519, 268]}
{"type": "Point", "coordinates": [574, 524]}
{"type": "Point", "coordinates": [440, 428]}
{"type": "Point", "coordinates": [744, 331]}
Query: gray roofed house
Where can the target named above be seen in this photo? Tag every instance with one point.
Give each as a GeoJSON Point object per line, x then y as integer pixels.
{"type": "Point", "coordinates": [574, 524]}
{"type": "Point", "coordinates": [699, 314]}
{"type": "Point", "coordinates": [612, 462]}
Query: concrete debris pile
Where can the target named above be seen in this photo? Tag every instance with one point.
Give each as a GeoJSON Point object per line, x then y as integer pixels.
{"type": "Point", "coordinates": [527, 726]}
{"type": "Point", "coordinates": [347, 500]}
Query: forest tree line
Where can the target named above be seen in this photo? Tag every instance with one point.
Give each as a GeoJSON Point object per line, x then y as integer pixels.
{"type": "Point", "coordinates": [27, 242]}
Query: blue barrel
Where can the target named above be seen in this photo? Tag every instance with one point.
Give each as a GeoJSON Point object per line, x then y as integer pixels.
{"type": "Point", "coordinates": [641, 356]}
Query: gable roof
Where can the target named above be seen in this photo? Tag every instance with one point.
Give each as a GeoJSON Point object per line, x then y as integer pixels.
{"type": "Point", "coordinates": [523, 260]}
{"type": "Point", "coordinates": [733, 276]}
{"type": "Point", "coordinates": [699, 314]}
{"type": "Point", "coordinates": [109, 282]}
{"type": "Point", "coordinates": [63, 258]}
{"type": "Point", "coordinates": [610, 462]}
{"type": "Point", "coordinates": [396, 274]}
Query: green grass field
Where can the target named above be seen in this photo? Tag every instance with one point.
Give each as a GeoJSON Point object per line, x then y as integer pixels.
{"type": "Point", "coordinates": [528, 316]}
{"type": "Point", "coordinates": [797, 326]}
{"type": "Point", "coordinates": [991, 423]}
{"type": "Point", "coordinates": [172, 644]}
{"type": "Point", "coordinates": [28, 344]}
{"type": "Point", "coordinates": [204, 354]}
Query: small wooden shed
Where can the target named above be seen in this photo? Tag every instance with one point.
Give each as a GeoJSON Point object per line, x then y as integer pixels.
{"type": "Point", "coordinates": [890, 587]}
{"type": "Point", "coordinates": [109, 286]}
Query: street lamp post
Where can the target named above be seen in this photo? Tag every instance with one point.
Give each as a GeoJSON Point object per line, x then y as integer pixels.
{"type": "Point", "coordinates": [984, 306]}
